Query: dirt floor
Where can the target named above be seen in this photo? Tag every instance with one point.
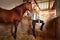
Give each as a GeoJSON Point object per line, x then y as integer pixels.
{"type": "Point", "coordinates": [25, 32]}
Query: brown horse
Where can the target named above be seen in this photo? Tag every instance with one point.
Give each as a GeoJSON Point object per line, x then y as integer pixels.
{"type": "Point", "coordinates": [14, 16]}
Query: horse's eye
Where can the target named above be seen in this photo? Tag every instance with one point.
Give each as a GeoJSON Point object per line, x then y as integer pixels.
{"type": "Point", "coordinates": [29, 2]}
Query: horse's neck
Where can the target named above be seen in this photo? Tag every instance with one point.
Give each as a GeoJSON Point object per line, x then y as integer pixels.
{"type": "Point", "coordinates": [21, 10]}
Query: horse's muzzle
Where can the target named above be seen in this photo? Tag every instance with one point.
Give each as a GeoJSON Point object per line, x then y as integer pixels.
{"type": "Point", "coordinates": [31, 11]}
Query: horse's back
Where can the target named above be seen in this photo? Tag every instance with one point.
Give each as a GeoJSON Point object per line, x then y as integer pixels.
{"type": "Point", "coordinates": [7, 15]}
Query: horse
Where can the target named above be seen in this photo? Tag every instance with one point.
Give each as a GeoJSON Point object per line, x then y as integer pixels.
{"type": "Point", "coordinates": [52, 28]}
{"type": "Point", "coordinates": [14, 16]}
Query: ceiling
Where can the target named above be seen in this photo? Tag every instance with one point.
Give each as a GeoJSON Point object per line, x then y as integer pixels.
{"type": "Point", "coordinates": [9, 4]}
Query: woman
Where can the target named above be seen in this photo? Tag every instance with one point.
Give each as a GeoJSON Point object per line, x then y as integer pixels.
{"type": "Point", "coordinates": [35, 19]}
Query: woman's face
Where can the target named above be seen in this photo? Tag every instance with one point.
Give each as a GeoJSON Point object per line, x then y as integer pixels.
{"type": "Point", "coordinates": [35, 8]}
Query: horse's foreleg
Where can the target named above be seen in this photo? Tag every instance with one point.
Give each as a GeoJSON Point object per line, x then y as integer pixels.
{"type": "Point", "coordinates": [15, 31]}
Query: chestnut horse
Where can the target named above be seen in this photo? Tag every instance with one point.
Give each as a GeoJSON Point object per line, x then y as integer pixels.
{"type": "Point", "coordinates": [14, 15]}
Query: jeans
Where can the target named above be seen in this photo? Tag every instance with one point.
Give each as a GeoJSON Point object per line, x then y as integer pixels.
{"type": "Point", "coordinates": [33, 23]}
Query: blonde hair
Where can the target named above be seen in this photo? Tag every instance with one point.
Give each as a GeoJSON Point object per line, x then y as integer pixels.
{"type": "Point", "coordinates": [35, 8]}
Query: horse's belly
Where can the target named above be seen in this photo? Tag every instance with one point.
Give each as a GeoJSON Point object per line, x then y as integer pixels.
{"type": "Point", "coordinates": [9, 16]}
{"type": "Point", "coordinates": [5, 18]}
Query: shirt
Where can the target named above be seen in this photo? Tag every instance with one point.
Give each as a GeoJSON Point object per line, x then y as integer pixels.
{"type": "Point", "coordinates": [34, 15]}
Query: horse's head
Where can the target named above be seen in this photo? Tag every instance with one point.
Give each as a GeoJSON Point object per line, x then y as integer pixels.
{"type": "Point", "coordinates": [28, 6]}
